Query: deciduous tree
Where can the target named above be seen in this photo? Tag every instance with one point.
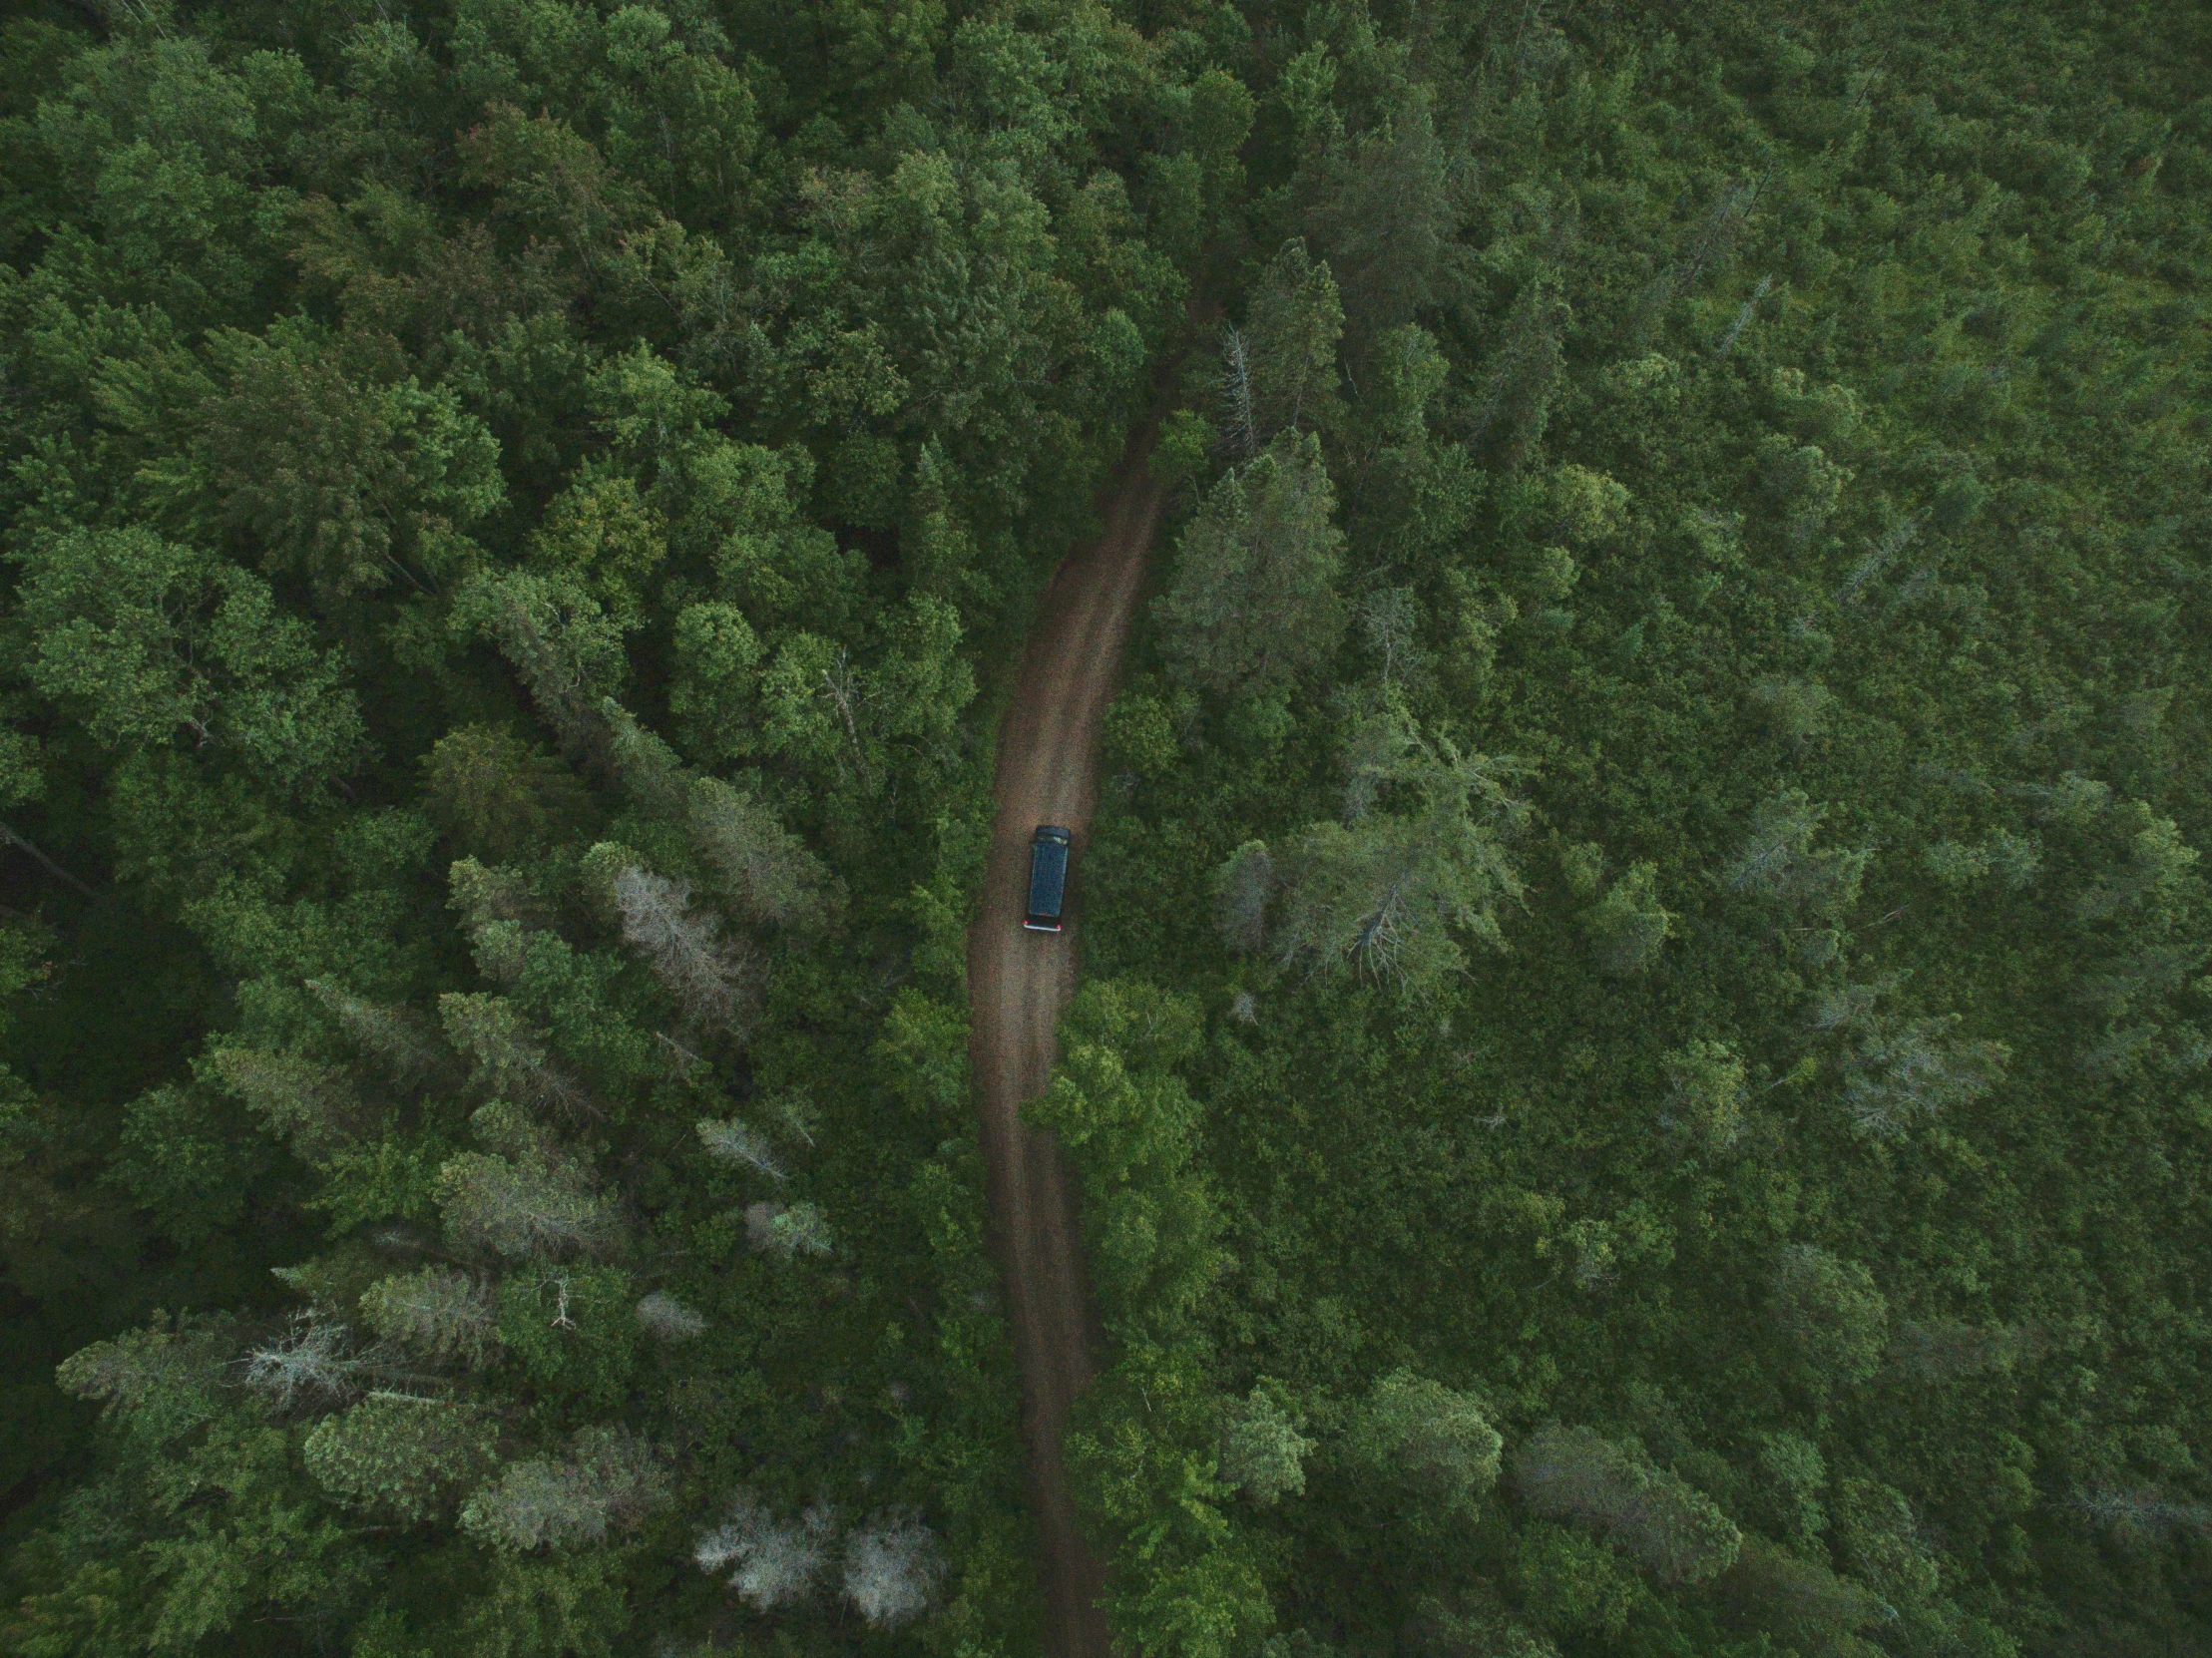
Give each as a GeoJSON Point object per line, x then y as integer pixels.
{"type": "Point", "coordinates": [1576, 1475]}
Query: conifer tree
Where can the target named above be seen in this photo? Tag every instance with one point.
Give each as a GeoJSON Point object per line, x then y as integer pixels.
{"type": "Point", "coordinates": [440, 1313]}
{"type": "Point", "coordinates": [402, 1454]}
{"type": "Point", "coordinates": [607, 1481]}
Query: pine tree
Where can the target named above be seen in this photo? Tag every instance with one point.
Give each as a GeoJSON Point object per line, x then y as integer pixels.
{"type": "Point", "coordinates": [162, 1378]}
{"type": "Point", "coordinates": [652, 774]}
{"type": "Point", "coordinates": [401, 1042]}
{"type": "Point", "coordinates": [1387, 895]}
{"type": "Point", "coordinates": [1290, 346]}
{"type": "Point", "coordinates": [1251, 606]}
{"type": "Point", "coordinates": [609, 1481]}
{"type": "Point", "coordinates": [334, 475]}
{"type": "Point", "coordinates": [566, 649]}
{"type": "Point", "coordinates": [522, 1209]}
{"type": "Point", "coordinates": [315, 1107]}
{"type": "Point", "coordinates": [1381, 209]}
{"type": "Point", "coordinates": [752, 860]}
{"type": "Point", "coordinates": [1793, 1473]}
{"type": "Point", "coordinates": [511, 1059]}
{"type": "Point", "coordinates": [402, 1454]}
{"type": "Point", "coordinates": [1879, 1540]}
{"type": "Point", "coordinates": [1778, 860]}
{"type": "Point", "coordinates": [443, 1314]}
{"type": "Point", "coordinates": [496, 795]}
{"type": "Point", "coordinates": [1525, 372]}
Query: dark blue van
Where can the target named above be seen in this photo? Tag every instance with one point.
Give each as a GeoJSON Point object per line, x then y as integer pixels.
{"type": "Point", "coordinates": [1047, 879]}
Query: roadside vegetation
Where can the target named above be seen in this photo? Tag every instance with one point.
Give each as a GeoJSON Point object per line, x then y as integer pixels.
{"type": "Point", "coordinates": [1641, 1080]}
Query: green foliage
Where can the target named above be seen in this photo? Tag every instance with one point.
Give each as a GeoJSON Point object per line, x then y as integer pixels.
{"type": "Point", "coordinates": [1390, 893]}
{"type": "Point", "coordinates": [1589, 506]}
{"type": "Point", "coordinates": [1296, 321]}
{"type": "Point", "coordinates": [1784, 434]}
{"type": "Point", "coordinates": [1828, 1314]}
{"type": "Point", "coordinates": [1426, 1441]}
{"type": "Point", "coordinates": [153, 642]}
{"type": "Point", "coordinates": [1706, 1099]}
{"type": "Point", "coordinates": [1626, 927]}
{"type": "Point", "coordinates": [1262, 1452]}
{"type": "Point", "coordinates": [607, 1482]}
{"type": "Point", "coordinates": [386, 395]}
{"type": "Point", "coordinates": [1575, 1474]}
{"type": "Point", "coordinates": [438, 1313]}
{"type": "Point", "coordinates": [398, 1454]}
{"type": "Point", "coordinates": [1252, 605]}
{"type": "Point", "coordinates": [499, 797]}
{"type": "Point", "coordinates": [1570, 1585]}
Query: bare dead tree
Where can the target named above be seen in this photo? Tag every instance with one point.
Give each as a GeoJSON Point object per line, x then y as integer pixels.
{"type": "Point", "coordinates": [684, 946]}
{"type": "Point", "coordinates": [1239, 433]}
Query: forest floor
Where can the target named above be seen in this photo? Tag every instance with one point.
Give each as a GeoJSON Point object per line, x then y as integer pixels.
{"type": "Point", "coordinates": [1018, 983]}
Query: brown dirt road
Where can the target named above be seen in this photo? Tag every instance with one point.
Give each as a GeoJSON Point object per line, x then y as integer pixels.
{"type": "Point", "coordinates": [1018, 983]}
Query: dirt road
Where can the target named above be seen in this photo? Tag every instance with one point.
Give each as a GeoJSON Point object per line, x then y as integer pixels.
{"type": "Point", "coordinates": [1018, 983]}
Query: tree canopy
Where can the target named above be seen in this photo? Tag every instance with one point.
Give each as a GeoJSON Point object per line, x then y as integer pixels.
{"type": "Point", "coordinates": [1638, 1086]}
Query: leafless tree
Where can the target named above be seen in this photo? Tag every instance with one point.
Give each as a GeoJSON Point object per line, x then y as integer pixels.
{"type": "Point", "coordinates": [892, 1568]}
{"type": "Point", "coordinates": [1242, 887]}
{"type": "Point", "coordinates": [312, 1362]}
{"type": "Point", "coordinates": [771, 1562]}
{"type": "Point", "coordinates": [707, 973]}
{"type": "Point", "coordinates": [2144, 1509]}
{"type": "Point", "coordinates": [733, 1141]}
{"type": "Point", "coordinates": [667, 1319]}
{"type": "Point", "coordinates": [1238, 433]}
{"type": "Point", "coordinates": [1749, 309]}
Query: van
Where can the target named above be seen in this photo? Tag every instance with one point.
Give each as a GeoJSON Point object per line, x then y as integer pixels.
{"type": "Point", "coordinates": [1047, 878]}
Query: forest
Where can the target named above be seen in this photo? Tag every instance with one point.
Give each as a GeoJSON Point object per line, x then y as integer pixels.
{"type": "Point", "coordinates": [1642, 1075]}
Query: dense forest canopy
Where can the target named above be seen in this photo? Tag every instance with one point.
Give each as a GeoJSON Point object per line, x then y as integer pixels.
{"type": "Point", "coordinates": [1644, 1079]}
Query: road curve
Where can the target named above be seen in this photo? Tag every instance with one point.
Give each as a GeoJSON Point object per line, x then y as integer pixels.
{"type": "Point", "coordinates": [1018, 983]}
